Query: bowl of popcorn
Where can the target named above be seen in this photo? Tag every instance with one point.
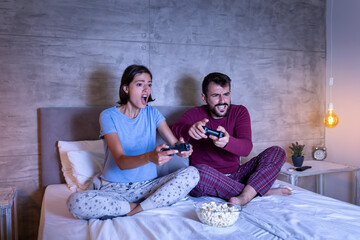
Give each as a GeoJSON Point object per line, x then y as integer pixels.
{"type": "Point", "coordinates": [217, 214]}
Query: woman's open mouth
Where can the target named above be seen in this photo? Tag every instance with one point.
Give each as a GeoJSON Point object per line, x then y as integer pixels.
{"type": "Point", "coordinates": [144, 99]}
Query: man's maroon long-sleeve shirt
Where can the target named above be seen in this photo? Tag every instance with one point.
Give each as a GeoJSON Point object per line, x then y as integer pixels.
{"type": "Point", "coordinates": [237, 124]}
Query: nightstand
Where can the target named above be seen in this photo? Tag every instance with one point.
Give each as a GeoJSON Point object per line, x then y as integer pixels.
{"type": "Point", "coordinates": [8, 218]}
{"type": "Point", "coordinates": [318, 169]}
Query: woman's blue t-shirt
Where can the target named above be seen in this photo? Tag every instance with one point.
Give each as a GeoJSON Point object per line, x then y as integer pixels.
{"type": "Point", "coordinates": [137, 136]}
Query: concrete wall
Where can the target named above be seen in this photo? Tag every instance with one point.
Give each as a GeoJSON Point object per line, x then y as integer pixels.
{"type": "Point", "coordinates": [72, 53]}
{"type": "Point", "coordinates": [343, 141]}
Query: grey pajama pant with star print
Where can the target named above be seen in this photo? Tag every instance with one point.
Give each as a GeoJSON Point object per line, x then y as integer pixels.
{"type": "Point", "coordinates": [112, 199]}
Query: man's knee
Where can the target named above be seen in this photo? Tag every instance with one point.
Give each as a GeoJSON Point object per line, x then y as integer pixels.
{"type": "Point", "coordinates": [197, 191]}
{"type": "Point", "coordinates": [278, 153]}
{"type": "Point", "coordinates": [203, 168]}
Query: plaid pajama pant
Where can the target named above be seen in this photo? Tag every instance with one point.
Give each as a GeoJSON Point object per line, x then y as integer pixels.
{"type": "Point", "coordinates": [260, 173]}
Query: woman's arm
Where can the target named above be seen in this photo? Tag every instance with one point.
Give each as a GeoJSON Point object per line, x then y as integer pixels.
{"type": "Point", "coordinates": [129, 162]}
{"type": "Point", "coordinates": [166, 133]}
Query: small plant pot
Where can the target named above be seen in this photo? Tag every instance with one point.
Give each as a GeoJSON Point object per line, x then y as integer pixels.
{"type": "Point", "coordinates": [297, 161]}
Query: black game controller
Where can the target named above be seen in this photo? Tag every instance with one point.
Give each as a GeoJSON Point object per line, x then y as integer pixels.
{"type": "Point", "coordinates": [213, 132]}
{"type": "Point", "coordinates": [178, 146]}
{"type": "Point", "coordinates": [300, 169]}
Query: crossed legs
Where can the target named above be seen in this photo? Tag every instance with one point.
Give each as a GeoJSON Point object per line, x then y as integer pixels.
{"type": "Point", "coordinates": [251, 179]}
{"type": "Point", "coordinates": [117, 199]}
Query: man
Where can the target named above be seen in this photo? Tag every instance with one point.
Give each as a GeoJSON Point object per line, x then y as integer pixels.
{"type": "Point", "coordinates": [218, 158]}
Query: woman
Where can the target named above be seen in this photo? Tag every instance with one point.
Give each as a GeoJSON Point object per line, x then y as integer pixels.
{"type": "Point", "coordinates": [129, 182]}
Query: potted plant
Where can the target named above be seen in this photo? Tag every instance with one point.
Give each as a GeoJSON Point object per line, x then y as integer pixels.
{"type": "Point", "coordinates": [297, 154]}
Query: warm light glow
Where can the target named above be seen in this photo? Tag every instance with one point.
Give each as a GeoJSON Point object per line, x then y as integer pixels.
{"type": "Point", "coordinates": [331, 119]}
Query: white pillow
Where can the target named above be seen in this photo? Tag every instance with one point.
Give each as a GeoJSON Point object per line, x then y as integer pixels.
{"type": "Point", "coordinates": [85, 166]}
{"type": "Point", "coordinates": [93, 146]}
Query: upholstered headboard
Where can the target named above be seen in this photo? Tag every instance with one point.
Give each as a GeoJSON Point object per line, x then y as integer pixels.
{"type": "Point", "coordinates": [75, 124]}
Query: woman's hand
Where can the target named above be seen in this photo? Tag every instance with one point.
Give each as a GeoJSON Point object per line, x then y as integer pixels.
{"type": "Point", "coordinates": [160, 157]}
{"type": "Point", "coordinates": [185, 154]}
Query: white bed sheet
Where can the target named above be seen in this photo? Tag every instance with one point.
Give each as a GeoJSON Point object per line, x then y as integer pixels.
{"type": "Point", "coordinates": [303, 215]}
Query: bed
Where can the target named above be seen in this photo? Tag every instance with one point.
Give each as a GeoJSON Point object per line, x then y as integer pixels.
{"type": "Point", "coordinates": [303, 215]}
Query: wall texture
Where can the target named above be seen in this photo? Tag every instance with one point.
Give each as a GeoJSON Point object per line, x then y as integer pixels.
{"type": "Point", "coordinates": [342, 142]}
{"type": "Point", "coordinates": [72, 53]}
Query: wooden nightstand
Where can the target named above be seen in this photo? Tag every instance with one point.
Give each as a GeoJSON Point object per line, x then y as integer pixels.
{"type": "Point", "coordinates": [8, 218]}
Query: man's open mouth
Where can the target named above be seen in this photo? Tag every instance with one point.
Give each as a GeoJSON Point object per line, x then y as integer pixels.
{"type": "Point", "coordinates": [221, 107]}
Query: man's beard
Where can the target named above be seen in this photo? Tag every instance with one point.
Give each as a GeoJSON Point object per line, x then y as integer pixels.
{"type": "Point", "coordinates": [216, 113]}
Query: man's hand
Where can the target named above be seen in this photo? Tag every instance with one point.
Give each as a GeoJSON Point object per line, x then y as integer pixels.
{"type": "Point", "coordinates": [220, 142]}
{"type": "Point", "coordinates": [196, 131]}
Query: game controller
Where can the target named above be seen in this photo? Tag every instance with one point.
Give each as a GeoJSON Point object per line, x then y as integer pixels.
{"type": "Point", "coordinates": [213, 132]}
{"type": "Point", "coordinates": [300, 169]}
{"type": "Point", "coordinates": [178, 146]}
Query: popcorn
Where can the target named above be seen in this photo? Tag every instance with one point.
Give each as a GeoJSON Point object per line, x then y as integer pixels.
{"type": "Point", "coordinates": [217, 214]}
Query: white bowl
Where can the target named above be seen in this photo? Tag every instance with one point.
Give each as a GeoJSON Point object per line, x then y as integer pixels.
{"type": "Point", "coordinates": [218, 214]}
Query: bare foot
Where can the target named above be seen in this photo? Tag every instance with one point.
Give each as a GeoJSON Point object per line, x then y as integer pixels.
{"type": "Point", "coordinates": [132, 205]}
{"type": "Point", "coordinates": [135, 209]}
{"type": "Point", "coordinates": [246, 195]}
{"type": "Point", "coordinates": [239, 200]}
{"type": "Point", "coordinates": [278, 191]}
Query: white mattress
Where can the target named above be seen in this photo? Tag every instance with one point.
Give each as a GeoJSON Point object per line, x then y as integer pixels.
{"type": "Point", "coordinates": [303, 215]}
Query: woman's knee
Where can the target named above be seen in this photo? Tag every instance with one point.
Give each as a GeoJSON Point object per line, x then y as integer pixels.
{"type": "Point", "coordinates": [192, 174]}
{"type": "Point", "coordinates": [74, 199]}
{"type": "Point", "coordinates": [80, 204]}
{"type": "Point", "coordinates": [75, 204]}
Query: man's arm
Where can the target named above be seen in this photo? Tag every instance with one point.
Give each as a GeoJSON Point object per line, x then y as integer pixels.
{"type": "Point", "coordinates": [237, 141]}
{"type": "Point", "coordinates": [181, 127]}
{"type": "Point", "coordinates": [241, 147]}
{"type": "Point", "coordinates": [240, 142]}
